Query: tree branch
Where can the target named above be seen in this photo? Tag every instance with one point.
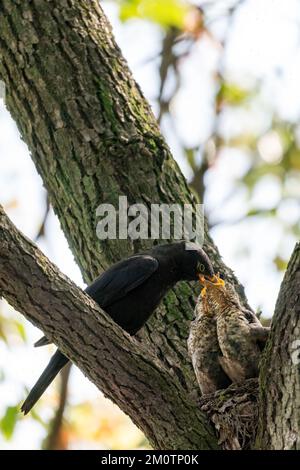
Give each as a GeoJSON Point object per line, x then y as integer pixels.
{"type": "Point", "coordinates": [119, 365]}
{"type": "Point", "coordinates": [54, 440]}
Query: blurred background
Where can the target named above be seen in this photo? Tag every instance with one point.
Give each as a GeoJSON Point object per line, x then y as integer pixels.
{"type": "Point", "coordinates": [223, 80]}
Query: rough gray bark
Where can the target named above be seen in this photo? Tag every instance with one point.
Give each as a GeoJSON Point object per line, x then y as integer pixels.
{"type": "Point", "coordinates": [120, 365]}
{"type": "Point", "coordinates": [279, 408]}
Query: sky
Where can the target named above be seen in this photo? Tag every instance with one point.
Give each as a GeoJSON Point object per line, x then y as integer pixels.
{"type": "Point", "coordinates": [263, 44]}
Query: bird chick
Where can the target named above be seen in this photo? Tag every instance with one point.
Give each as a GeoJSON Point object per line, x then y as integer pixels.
{"type": "Point", "coordinates": [204, 349]}
{"type": "Point", "coordinates": [239, 332]}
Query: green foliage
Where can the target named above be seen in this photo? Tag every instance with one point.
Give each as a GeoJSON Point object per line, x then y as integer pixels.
{"type": "Point", "coordinates": [166, 13]}
{"type": "Point", "coordinates": [11, 326]}
{"type": "Point", "coordinates": [261, 212]}
{"type": "Point", "coordinates": [20, 329]}
{"type": "Point", "coordinates": [258, 171]}
{"type": "Point", "coordinates": [232, 94]}
{"type": "Point", "coordinates": [280, 263]}
{"type": "Point", "coordinates": [9, 421]}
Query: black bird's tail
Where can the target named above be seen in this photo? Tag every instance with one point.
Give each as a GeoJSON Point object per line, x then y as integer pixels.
{"type": "Point", "coordinates": [42, 342]}
{"type": "Point", "coordinates": [57, 362]}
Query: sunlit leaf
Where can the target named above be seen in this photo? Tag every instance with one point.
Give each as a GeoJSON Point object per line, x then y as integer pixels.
{"type": "Point", "coordinates": [8, 422]}
{"type": "Point", "coordinates": [34, 415]}
{"type": "Point", "coordinates": [166, 13]}
{"type": "Point", "coordinates": [21, 330]}
{"type": "Point", "coordinates": [232, 94]}
{"type": "Point", "coordinates": [285, 132]}
{"type": "Point", "coordinates": [246, 141]}
{"type": "Point", "coordinates": [261, 212]}
{"type": "Point", "coordinates": [280, 263]}
{"type": "Point", "coordinates": [294, 158]}
{"type": "Point", "coordinates": [256, 173]}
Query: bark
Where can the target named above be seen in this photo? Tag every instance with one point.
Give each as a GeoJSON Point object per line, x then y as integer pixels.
{"type": "Point", "coordinates": [119, 365]}
{"type": "Point", "coordinates": [279, 408]}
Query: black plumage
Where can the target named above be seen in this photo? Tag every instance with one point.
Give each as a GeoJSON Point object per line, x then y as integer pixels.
{"type": "Point", "coordinates": [130, 290]}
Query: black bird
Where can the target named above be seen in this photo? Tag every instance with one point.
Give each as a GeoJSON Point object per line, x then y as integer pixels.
{"type": "Point", "coordinates": [130, 290]}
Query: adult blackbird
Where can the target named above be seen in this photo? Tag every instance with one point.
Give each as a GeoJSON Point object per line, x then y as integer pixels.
{"type": "Point", "coordinates": [130, 290]}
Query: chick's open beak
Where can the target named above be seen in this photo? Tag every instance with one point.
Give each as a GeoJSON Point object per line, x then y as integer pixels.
{"type": "Point", "coordinates": [215, 280]}
{"type": "Point", "coordinates": [203, 278]}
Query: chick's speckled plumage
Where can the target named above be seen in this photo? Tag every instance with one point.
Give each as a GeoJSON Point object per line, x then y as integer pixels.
{"type": "Point", "coordinates": [238, 333]}
{"type": "Point", "coordinates": [204, 350]}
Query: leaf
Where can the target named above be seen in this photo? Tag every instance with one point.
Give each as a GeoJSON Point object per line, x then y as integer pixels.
{"type": "Point", "coordinates": [262, 212]}
{"type": "Point", "coordinates": [254, 174]}
{"type": "Point", "coordinates": [21, 330]}
{"type": "Point", "coordinates": [34, 415]}
{"type": "Point", "coordinates": [232, 94]}
{"type": "Point", "coordinates": [166, 13]}
{"type": "Point", "coordinates": [9, 421]}
{"type": "Point", "coordinates": [294, 158]}
{"type": "Point", "coordinates": [280, 263]}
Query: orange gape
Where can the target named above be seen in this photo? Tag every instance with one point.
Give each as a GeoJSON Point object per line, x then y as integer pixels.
{"type": "Point", "coordinates": [215, 280]}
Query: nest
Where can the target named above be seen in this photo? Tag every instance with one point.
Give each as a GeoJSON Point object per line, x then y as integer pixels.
{"type": "Point", "coordinates": [234, 414]}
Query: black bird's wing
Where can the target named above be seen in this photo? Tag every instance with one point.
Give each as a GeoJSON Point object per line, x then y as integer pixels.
{"type": "Point", "coordinates": [121, 278]}
{"type": "Point", "coordinates": [117, 281]}
{"type": "Point", "coordinates": [111, 286]}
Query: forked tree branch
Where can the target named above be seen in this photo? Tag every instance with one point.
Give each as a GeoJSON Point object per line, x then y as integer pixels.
{"type": "Point", "coordinates": [120, 366]}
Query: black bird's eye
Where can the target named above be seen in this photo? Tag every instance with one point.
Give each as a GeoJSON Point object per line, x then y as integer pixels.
{"type": "Point", "coordinates": [201, 267]}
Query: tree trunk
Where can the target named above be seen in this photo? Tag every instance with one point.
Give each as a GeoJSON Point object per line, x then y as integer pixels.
{"type": "Point", "coordinates": [93, 138]}
{"type": "Point", "coordinates": [280, 369]}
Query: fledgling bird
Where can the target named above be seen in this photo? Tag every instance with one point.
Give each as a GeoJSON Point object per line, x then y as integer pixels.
{"type": "Point", "coordinates": [204, 350]}
{"type": "Point", "coordinates": [240, 333]}
{"type": "Point", "coordinates": [122, 291]}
